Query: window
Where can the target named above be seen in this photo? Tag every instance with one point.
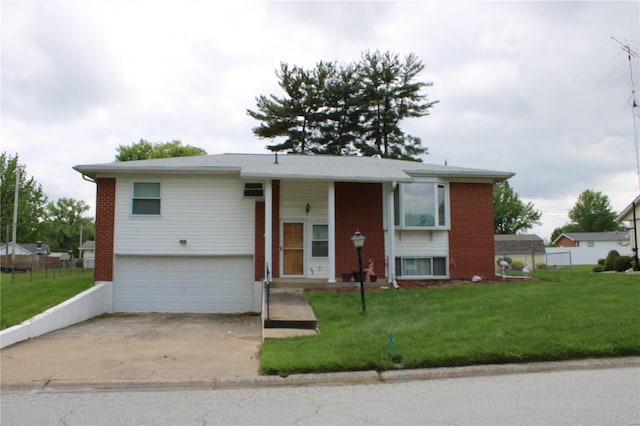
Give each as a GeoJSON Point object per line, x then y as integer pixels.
{"type": "Point", "coordinates": [421, 266]}
{"type": "Point", "coordinates": [320, 241]}
{"type": "Point", "coordinates": [146, 198]}
{"type": "Point", "coordinates": [420, 205]}
{"type": "Point", "coordinates": [253, 190]}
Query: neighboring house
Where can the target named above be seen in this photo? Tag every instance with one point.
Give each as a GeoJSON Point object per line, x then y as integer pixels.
{"type": "Point", "coordinates": [611, 240]}
{"type": "Point", "coordinates": [25, 249]}
{"type": "Point", "coordinates": [528, 249]}
{"type": "Point", "coordinates": [88, 254]}
{"type": "Point", "coordinates": [586, 248]}
{"type": "Point", "coordinates": [631, 216]}
{"type": "Point", "coordinates": [25, 254]}
{"type": "Point", "coordinates": [202, 234]}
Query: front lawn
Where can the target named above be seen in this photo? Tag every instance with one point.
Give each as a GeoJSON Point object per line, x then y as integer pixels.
{"type": "Point", "coordinates": [32, 294]}
{"type": "Point", "coordinates": [555, 316]}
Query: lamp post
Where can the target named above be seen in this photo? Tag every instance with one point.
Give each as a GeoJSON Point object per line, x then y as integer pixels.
{"type": "Point", "coordinates": [358, 242]}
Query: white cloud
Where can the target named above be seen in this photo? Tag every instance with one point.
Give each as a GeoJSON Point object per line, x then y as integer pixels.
{"type": "Point", "coordinates": [537, 88]}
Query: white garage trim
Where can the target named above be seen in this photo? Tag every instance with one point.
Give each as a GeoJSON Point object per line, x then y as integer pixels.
{"type": "Point", "coordinates": [211, 284]}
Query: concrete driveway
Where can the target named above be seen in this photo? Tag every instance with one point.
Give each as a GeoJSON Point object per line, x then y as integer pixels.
{"type": "Point", "coordinates": [138, 348]}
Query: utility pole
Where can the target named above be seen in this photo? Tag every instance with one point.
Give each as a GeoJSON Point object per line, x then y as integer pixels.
{"type": "Point", "coordinates": [6, 247]}
{"type": "Point", "coordinates": [633, 102]}
{"type": "Point", "coordinates": [15, 223]}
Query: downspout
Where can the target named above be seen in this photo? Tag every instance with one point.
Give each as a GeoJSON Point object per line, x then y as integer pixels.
{"type": "Point", "coordinates": [332, 231]}
{"type": "Point", "coordinates": [392, 236]}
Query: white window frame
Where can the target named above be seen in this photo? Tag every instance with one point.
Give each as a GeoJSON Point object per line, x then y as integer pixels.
{"type": "Point", "coordinates": [134, 198]}
{"type": "Point", "coordinates": [437, 217]}
{"type": "Point", "coordinates": [313, 240]}
{"type": "Point", "coordinates": [399, 270]}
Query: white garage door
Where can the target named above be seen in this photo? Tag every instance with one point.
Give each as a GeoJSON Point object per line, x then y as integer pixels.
{"type": "Point", "coordinates": [174, 284]}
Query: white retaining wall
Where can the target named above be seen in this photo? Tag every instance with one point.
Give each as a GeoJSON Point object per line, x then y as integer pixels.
{"type": "Point", "coordinates": [90, 303]}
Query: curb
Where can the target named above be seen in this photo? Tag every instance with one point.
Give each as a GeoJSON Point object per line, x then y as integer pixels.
{"type": "Point", "coordinates": [325, 379]}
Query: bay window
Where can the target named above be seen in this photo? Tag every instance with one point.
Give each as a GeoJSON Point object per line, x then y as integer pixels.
{"type": "Point", "coordinates": [421, 205]}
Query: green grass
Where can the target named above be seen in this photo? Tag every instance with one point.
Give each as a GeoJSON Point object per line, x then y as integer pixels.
{"type": "Point", "coordinates": [558, 315]}
{"type": "Point", "coordinates": [32, 294]}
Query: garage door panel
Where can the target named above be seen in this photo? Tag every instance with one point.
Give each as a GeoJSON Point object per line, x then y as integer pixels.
{"type": "Point", "coordinates": [163, 284]}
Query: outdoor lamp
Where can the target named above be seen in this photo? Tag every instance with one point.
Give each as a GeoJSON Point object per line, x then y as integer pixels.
{"type": "Point", "coordinates": [358, 242]}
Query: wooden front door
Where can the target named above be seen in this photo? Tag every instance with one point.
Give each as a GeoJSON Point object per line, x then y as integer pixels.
{"type": "Point", "coordinates": [293, 248]}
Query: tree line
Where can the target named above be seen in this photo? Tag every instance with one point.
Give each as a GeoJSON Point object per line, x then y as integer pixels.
{"type": "Point", "coordinates": [56, 223]}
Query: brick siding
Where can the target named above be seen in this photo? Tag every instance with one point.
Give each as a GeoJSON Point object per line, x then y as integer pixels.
{"type": "Point", "coordinates": [566, 242]}
{"type": "Point", "coordinates": [359, 207]}
{"type": "Point", "coordinates": [105, 215]}
{"type": "Point", "coordinates": [471, 239]}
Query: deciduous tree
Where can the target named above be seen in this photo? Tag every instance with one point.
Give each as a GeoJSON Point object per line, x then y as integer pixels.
{"type": "Point", "coordinates": [31, 201]}
{"type": "Point", "coordinates": [145, 150]}
{"type": "Point", "coordinates": [512, 215]}
{"type": "Point", "coordinates": [592, 212]}
{"type": "Point", "coordinates": [65, 222]}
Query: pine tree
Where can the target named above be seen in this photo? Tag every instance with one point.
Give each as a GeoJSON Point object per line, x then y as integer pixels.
{"type": "Point", "coordinates": [346, 109]}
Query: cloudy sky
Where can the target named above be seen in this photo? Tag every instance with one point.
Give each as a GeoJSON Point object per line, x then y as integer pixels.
{"type": "Point", "coordinates": [537, 88]}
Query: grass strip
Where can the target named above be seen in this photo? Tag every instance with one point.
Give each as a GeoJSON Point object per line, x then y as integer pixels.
{"type": "Point", "coordinates": [32, 294]}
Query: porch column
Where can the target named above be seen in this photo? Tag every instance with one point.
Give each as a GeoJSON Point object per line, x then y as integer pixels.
{"type": "Point", "coordinates": [332, 231]}
{"type": "Point", "coordinates": [392, 233]}
{"type": "Point", "coordinates": [268, 231]}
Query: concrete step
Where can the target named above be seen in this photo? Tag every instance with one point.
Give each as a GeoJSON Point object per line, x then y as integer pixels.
{"type": "Point", "coordinates": [288, 308]}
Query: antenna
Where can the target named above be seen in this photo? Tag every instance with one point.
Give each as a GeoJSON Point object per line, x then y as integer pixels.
{"type": "Point", "coordinates": [632, 101]}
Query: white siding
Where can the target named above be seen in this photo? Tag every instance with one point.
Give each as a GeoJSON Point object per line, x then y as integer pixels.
{"type": "Point", "coordinates": [422, 243]}
{"type": "Point", "coordinates": [295, 195]}
{"type": "Point", "coordinates": [609, 245]}
{"type": "Point", "coordinates": [209, 212]}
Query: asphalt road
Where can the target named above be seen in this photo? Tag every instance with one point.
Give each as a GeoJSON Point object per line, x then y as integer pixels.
{"type": "Point", "coordinates": [579, 397]}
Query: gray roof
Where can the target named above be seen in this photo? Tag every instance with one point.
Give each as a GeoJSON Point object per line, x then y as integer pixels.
{"type": "Point", "coordinates": [88, 245]}
{"type": "Point", "coordinates": [595, 236]}
{"type": "Point", "coordinates": [31, 248]}
{"type": "Point", "coordinates": [518, 244]}
{"type": "Point", "coordinates": [319, 167]}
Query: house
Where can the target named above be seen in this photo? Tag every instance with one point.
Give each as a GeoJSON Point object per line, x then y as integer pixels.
{"type": "Point", "coordinates": [87, 254]}
{"type": "Point", "coordinates": [202, 234]}
{"type": "Point", "coordinates": [26, 254]}
{"type": "Point", "coordinates": [25, 249]}
{"type": "Point", "coordinates": [613, 240]}
{"type": "Point", "coordinates": [631, 215]}
{"type": "Point", "coordinates": [528, 249]}
{"type": "Point", "coordinates": [586, 248]}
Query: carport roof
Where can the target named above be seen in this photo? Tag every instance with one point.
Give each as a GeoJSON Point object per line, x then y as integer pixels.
{"type": "Point", "coordinates": [317, 167]}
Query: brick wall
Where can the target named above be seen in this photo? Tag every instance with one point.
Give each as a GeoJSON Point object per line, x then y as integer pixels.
{"type": "Point", "coordinates": [471, 240]}
{"type": "Point", "coordinates": [359, 207]}
{"type": "Point", "coordinates": [105, 221]}
{"type": "Point", "coordinates": [566, 242]}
